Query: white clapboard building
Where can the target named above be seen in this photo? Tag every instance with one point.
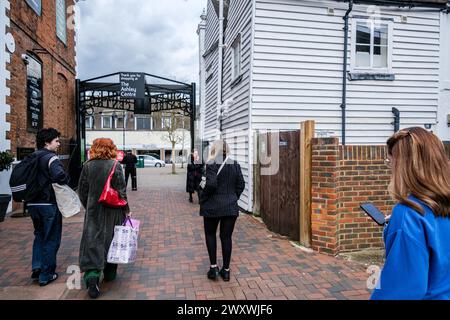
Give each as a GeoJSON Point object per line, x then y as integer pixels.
{"type": "Point", "coordinates": [271, 64]}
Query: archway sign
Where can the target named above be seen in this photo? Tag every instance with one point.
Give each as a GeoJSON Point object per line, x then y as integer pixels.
{"type": "Point", "coordinates": [137, 92]}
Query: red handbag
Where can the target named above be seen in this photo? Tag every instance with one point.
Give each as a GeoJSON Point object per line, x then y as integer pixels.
{"type": "Point", "coordinates": [110, 197]}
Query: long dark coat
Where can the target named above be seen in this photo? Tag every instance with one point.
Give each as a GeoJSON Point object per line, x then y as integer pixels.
{"type": "Point", "coordinates": [99, 221]}
{"type": "Point", "coordinates": [222, 192]}
{"type": "Point", "coordinates": [194, 176]}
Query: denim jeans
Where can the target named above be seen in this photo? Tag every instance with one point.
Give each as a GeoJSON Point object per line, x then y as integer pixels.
{"type": "Point", "coordinates": [47, 221]}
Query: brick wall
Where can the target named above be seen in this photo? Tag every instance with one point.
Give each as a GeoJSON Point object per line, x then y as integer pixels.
{"type": "Point", "coordinates": [37, 34]}
{"type": "Point", "coordinates": [342, 178]}
{"type": "Point", "coordinates": [447, 148]}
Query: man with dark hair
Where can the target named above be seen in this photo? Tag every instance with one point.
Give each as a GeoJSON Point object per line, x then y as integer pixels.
{"type": "Point", "coordinates": [47, 218]}
{"type": "Point", "coordinates": [130, 161]}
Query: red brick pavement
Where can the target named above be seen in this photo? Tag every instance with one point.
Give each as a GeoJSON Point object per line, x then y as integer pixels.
{"type": "Point", "coordinates": [172, 260]}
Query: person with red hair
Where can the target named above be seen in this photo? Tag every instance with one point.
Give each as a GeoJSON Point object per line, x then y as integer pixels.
{"type": "Point", "coordinates": [100, 221]}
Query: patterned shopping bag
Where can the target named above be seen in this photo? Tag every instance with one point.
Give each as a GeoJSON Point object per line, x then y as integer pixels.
{"type": "Point", "coordinates": [124, 246]}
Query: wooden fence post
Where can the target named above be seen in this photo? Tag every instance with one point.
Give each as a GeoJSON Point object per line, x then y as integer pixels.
{"type": "Point", "coordinates": [307, 132]}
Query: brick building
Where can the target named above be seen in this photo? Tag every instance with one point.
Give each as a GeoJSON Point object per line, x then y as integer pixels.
{"type": "Point", "coordinates": [42, 73]}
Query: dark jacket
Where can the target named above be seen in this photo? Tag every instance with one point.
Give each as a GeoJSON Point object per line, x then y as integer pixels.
{"type": "Point", "coordinates": [195, 172]}
{"type": "Point", "coordinates": [130, 161]}
{"type": "Point", "coordinates": [99, 221]}
{"type": "Point", "coordinates": [222, 192]}
{"type": "Point", "coordinates": [46, 176]}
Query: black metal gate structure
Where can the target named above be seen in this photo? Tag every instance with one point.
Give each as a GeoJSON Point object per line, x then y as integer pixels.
{"type": "Point", "coordinates": [161, 94]}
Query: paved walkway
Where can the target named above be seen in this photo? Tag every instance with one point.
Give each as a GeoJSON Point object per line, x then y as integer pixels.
{"type": "Point", "coordinates": [172, 259]}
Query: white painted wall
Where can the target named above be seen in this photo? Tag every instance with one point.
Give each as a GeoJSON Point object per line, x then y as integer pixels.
{"type": "Point", "coordinates": [4, 92]}
{"type": "Point", "coordinates": [298, 71]}
{"type": "Point", "coordinates": [201, 31]}
{"type": "Point", "coordinates": [211, 64]}
{"type": "Point", "coordinates": [142, 140]}
{"type": "Point", "coordinates": [443, 129]}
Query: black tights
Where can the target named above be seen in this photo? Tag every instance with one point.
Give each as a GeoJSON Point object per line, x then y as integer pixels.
{"type": "Point", "coordinates": [226, 232]}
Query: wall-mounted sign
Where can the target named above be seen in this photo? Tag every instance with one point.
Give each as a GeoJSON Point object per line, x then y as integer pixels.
{"type": "Point", "coordinates": [132, 85]}
{"type": "Point", "coordinates": [371, 76]}
{"type": "Point", "coordinates": [34, 92]}
{"type": "Point", "coordinates": [36, 5]}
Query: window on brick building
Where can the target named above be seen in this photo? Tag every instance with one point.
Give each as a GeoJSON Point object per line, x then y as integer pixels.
{"type": "Point", "coordinates": [36, 5]}
{"type": "Point", "coordinates": [107, 122]}
{"type": "Point", "coordinates": [143, 123]}
{"type": "Point", "coordinates": [90, 122]}
{"type": "Point", "coordinates": [120, 121]}
{"type": "Point", "coordinates": [61, 20]}
{"type": "Point", "coordinates": [166, 122]}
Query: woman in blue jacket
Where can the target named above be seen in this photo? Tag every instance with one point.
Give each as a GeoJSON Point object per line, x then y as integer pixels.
{"type": "Point", "coordinates": [417, 236]}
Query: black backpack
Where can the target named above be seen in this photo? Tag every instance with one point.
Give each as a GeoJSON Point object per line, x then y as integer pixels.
{"type": "Point", "coordinates": [23, 182]}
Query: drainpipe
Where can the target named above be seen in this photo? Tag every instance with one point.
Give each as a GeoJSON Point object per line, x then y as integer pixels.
{"type": "Point", "coordinates": [344, 75]}
{"type": "Point", "coordinates": [220, 67]}
{"type": "Point", "coordinates": [396, 122]}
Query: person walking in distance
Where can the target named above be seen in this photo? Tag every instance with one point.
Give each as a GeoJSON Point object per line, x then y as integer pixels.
{"type": "Point", "coordinates": [100, 220]}
{"type": "Point", "coordinates": [130, 161]}
{"type": "Point", "coordinates": [418, 231]}
{"type": "Point", "coordinates": [222, 189]}
{"type": "Point", "coordinates": [47, 219]}
{"type": "Point", "coordinates": [195, 170]}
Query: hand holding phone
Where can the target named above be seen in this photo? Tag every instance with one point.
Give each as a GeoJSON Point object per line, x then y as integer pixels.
{"type": "Point", "coordinates": [374, 213]}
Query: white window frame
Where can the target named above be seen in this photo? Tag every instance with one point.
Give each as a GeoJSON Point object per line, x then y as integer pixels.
{"type": "Point", "coordinates": [116, 118]}
{"type": "Point", "coordinates": [236, 46]}
{"type": "Point", "coordinates": [103, 124]}
{"type": "Point", "coordinates": [162, 122]}
{"type": "Point", "coordinates": [372, 22]}
{"type": "Point", "coordinates": [136, 123]}
{"type": "Point", "coordinates": [89, 119]}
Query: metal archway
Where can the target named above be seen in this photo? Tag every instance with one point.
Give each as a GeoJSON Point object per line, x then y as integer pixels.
{"type": "Point", "coordinates": [161, 94]}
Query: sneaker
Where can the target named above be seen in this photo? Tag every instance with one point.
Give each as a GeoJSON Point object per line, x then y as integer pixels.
{"type": "Point", "coordinates": [53, 278]}
{"type": "Point", "coordinates": [213, 273]}
{"type": "Point", "coordinates": [35, 275]}
{"type": "Point", "coordinates": [225, 275]}
{"type": "Point", "coordinates": [93, 289]}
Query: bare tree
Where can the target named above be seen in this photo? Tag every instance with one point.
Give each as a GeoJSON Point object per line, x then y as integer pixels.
{"type": "Point", "coordinates": [174, 136]}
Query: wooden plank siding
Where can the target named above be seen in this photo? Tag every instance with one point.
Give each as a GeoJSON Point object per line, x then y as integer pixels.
{"type": "Point", "coordinates": [298, 71]}
{"type": "Point", "coordinates": [236, 126]}
{"type": "Point", "coordinates": [211, 63]}
{"type": "Point", "coordinates": [291, 60]}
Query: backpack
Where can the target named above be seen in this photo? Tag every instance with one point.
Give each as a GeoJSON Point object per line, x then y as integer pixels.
{"type": "Point", "coordinates": [23, 182]}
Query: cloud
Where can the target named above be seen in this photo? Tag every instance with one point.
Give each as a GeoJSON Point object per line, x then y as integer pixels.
{"type": "Point", "coordinates": [153, 36]}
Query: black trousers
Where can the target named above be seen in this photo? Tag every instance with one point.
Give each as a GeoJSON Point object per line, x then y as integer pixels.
{"type": "Point", "coordinates": [132, 172]}
{"type": "Point", "coordinates": [226, 232]}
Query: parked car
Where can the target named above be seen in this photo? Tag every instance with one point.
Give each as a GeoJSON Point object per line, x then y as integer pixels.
{"type": "Point", "coordinates": [150, 161]}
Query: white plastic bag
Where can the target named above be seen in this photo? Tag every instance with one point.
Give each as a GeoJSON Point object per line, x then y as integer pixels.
{"type": "Point", "coordinates": [124, 245]}
{"type": "Point", "coordinates": [68, 202]}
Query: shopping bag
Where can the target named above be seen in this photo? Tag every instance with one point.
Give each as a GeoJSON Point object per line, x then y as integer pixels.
{"type": "Point", "coordinates": [67, 200]}
{"type": "Point", "coordinates": [132, 223]}
{"type": "Point", "coordinates": [124, 246]}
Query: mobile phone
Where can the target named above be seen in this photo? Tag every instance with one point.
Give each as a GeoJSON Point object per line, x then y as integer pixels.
{"type": "Point", "coordinates": [374, 213]}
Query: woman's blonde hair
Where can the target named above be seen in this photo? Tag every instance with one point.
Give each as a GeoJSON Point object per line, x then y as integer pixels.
{"type": "Point", "coordinates": [420, 168]}
{"type": "Point", "coordinates": [219, 148]}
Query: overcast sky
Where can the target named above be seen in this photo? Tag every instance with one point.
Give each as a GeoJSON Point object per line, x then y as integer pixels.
{"type": "Point", "coordinates": [153, 36]}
